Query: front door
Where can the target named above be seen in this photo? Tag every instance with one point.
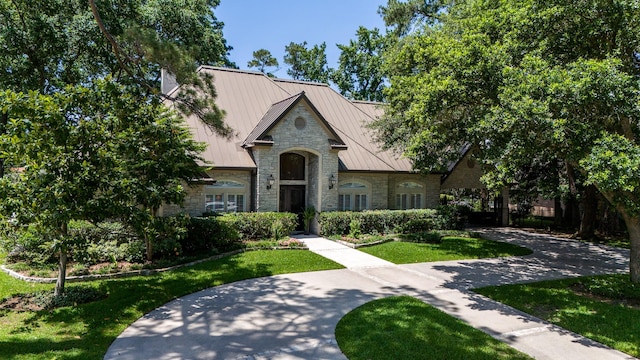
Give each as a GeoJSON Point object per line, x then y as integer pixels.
{"type": "Point", "coordinates": [292, 199]}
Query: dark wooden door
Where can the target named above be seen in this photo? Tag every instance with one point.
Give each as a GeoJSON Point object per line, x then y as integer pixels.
{"type": "Point", "coordinates": [292, 199]}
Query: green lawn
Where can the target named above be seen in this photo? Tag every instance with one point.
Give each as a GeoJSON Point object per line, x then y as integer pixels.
{"type": "Point", "coordinates": [451, 248]}
{"type": "Point", "coordinates": [604, 319]}
{"type": "Point", "coordinates": [407, 328]}
{"type": "Point", "coordinates": [86, 331]}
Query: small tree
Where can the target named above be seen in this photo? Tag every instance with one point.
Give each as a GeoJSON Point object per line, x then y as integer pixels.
{"type": "Point", "coordinates": [262, 59]}
{"type": "Point", "coordinates": [88, 154]}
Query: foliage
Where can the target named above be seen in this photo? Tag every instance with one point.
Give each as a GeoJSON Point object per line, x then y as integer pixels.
{"type": "Point", "coordinates": [523, 79]}
{"type": "Point", "coordinates": [588, 306]}
{"type": "Point", "coordinates": [86, 331]}
{"type": "Point", "coordinates": [257, 225]}
{"type": "Point", "coordinates": [91, 153]}
{"type": "Point", "coordinates": [359, 74]}
{"type": "Point", "coordinates": [389, 221]}
{"type": "Point", "coordinates": [402, 327]}
{"type": "Point", "coordinates": [307, 64]}
{"type": "Point", "coordinates": [129, 40]}
{"type": "Point", "coordinates": [74, 296]}
{"type": "Point", "coordinates": [211, 234]}
{"type": "Point", "coordinates": [354, 228]}
{"type": "Point", "coordinates": [262, 59]}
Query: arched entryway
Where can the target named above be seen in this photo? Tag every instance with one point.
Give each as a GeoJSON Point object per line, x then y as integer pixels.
{"type": "Point", "coordinates": [298, 182]}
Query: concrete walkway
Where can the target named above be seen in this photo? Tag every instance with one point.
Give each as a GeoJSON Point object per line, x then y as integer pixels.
{"type": "Point", "coordinates": [294, 316]}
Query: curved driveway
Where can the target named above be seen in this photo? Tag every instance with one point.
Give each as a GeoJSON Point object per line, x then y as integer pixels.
{"type": "Point", "coordinates": [294, 316]}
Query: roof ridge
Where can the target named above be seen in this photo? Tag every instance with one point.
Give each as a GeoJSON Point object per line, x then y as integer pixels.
{"type": "Point", "coordinates": [219, 68]}
{"type": "Point", "coordinates": [289, 98]}
{"type": "Point", "coordinates": [293, 81]}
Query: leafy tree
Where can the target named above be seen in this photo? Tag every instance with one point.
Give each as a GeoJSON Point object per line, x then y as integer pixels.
{"type": "Point", "coordinates": [262, 59]}
{"type": "Point", "coordinates": [93, 164]}
{"type": "Point", "coordinates": [403, 17]}
{"type": "Point", "coordinates": [307, 64]}
{"type": "Point", "coordinates": [359, 74]}
{"type": "Point", "coordinates": [520, 77]}
{"type": "Point", "coordinates": [50, 44]}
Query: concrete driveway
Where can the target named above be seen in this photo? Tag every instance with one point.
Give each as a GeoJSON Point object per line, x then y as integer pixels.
{"type": "Point", "coordinates": [294, 316]}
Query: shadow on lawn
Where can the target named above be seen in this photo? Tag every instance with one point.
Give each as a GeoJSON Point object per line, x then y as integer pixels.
{"type": "Point", "coordinates": [92, 327]}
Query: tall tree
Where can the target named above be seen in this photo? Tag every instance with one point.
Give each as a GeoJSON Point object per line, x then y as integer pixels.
{"type": "Point", "coordinates": [49, 44]}
{"type": "Point", "coordinates": [262, 59]}
{"type": "Point", "coordinates": [404, 17]}
{"type": "Point", "coordinates": [55, 52]}
{"type": "Point", "coordinates": [518, 77]}
{"type": "Point", "coordinates": [307, 64]}
{"type": "Point", "coordinates": [359, 74]}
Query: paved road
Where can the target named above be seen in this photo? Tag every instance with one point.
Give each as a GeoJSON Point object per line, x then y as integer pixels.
{"type": "Point", "coordinates": [294, 316]}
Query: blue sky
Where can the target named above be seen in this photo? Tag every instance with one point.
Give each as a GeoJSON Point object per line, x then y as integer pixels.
{"type": "Point", "coordinates": [250, 25]}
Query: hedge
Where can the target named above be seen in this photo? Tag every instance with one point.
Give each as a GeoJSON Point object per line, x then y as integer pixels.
{"type": "Point", "coordinates": [260, 225]}
{"type": "Point", "coordinates": [390, 221]}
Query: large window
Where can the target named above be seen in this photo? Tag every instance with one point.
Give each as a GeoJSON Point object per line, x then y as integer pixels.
{"type": "Point", "coordinates": [225, 196]}
{"type": "Point", "coordinates": [291, 167]}
{"type": "Point", "coordinates": [353, 196]}
{"type": "Point", "coordinates": [409, 196]}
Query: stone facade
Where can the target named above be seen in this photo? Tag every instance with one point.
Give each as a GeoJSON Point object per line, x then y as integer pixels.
{"type": "Point", "coordinates": [465, 175]}
{"type": "Point", "coordinates": [311, 141]}
{"type": "Point", "coordinates": [195, 199]}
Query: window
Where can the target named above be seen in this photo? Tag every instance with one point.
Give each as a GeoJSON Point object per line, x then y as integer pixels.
{"type": "Point", "coordinates": [353, 196]}
{"type": "Point", "coordinates": [225, 196]}
{"type": "Point", "coordinates": [291, 167]}
{"type": "Point", "coordinates": [409, 196]}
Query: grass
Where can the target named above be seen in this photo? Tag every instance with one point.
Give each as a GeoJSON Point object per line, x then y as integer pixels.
{"type": "Point", "coordinates": [595, 307]}
{"type": "Point", "coordinates": [86, 331]}
{"type": "Point", "coordinates": [451, 248]}
{"type": "Point", "coordinates": [406, 328]}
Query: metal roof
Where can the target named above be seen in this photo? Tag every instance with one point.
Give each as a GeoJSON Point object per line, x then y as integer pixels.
{"type": "Point", "coordinates": [254, 102]}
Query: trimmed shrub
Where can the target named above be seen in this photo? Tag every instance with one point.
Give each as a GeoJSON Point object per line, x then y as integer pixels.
{"type": "Point", "coordinates": [209, 234]}
{"type": "Point", "coordinates": [390, 221]}
{"type": "Point", "coordinates": [257, 225]}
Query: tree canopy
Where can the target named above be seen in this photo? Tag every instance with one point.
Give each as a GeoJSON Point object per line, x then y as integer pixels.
{"type": "Point", "coordinates": [84, 132]}
{"type": "Point", "coordinates": [307, 64]}
{"type": "Point", "coordinates": [360, 73]}
{"type": "Point", "coordinates": [523, 79]}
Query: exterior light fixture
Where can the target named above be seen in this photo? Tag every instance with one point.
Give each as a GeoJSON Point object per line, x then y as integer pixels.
{"type": "Point", "coordinates": [332, 181]}
{"type": "Point", "coordinates": [270, 181]}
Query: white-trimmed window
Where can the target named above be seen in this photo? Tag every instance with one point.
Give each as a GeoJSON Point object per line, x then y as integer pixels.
{"type": "Point", "coordinates": [409, 195]}
{"type": "Point", "coordinates": [225, 196]}
{"type": "Point", "coordinates": [353, 196]}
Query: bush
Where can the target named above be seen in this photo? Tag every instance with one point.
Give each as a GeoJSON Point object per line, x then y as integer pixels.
{"type": "Point", "coordinates": [381, 221]}
{"type": "Point", "coordinates": [73, 296]}
{"type": "Point", "coordinates": [257, 225]}
{"type": "Point", "coordinates": [25, 244]}
{"type": "Point", "coordinates": [210, 234]}
{"type": "Point", "coordinates": [108, 241]}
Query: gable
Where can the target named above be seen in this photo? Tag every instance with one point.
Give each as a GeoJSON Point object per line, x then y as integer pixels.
{"type": "Point", "coordinates": [286, 109]}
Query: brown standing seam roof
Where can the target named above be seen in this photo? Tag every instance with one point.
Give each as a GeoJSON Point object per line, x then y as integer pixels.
{"type": "Point", "coordinates": [253, 103]}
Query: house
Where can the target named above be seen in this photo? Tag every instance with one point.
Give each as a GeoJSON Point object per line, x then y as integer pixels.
{"type": "Point", "coordinates": [301, 144]}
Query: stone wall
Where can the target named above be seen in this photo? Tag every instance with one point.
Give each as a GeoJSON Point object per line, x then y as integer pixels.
{"type": "Point", "coordinates": [466, 175]}
{"type": "Point", "coordinates": [194, 203]}
{"type": "Point", "coordinates": [310, 141]}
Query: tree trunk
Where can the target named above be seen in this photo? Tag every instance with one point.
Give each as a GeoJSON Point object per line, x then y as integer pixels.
{"type": "Point", "coordinates": [589, 213]}
{"type": "Point", "coordinates": [633, 227]}
{"type": "Point", "coordinates": [557, 211]}
{"type": "Point", "coordinates": [62, 264]}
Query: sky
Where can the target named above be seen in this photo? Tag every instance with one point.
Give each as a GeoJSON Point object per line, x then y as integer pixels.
{"type": "Point", "coordinates": [250, 25]}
